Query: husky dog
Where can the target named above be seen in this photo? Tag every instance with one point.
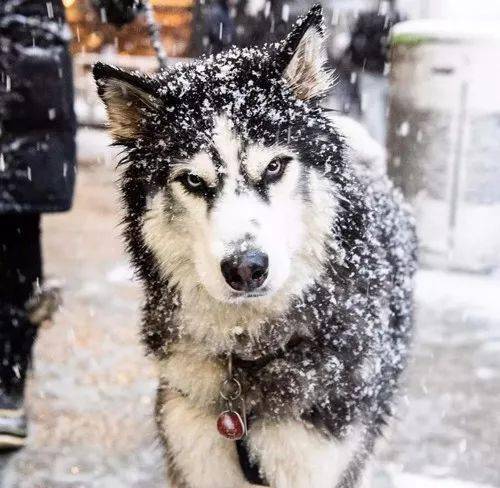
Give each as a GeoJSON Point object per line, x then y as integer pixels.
{"type": "Point", "coordinates": [257, 239]}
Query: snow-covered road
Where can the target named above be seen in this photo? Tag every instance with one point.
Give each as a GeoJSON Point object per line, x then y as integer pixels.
{"type": "Point", "coordinates": [405, 480]}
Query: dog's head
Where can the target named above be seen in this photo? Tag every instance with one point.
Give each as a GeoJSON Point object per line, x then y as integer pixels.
{"type": "Point", "coordinates": [229, 163]}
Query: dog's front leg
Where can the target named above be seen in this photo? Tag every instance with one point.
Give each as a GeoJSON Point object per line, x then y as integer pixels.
{"type": "Point", "coordinates": [198, 455]}
{"type": "Point", "coordinates": [293, 454]}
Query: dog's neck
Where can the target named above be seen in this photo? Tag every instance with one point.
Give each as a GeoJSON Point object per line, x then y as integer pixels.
{"type": "Point", "coordinates": [225, 327]}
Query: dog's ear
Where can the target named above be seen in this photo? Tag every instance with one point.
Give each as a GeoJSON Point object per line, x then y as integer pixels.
{"type": "Point", "coordinates": [301, 57]}
{"type": "Point", "coordinates": [127, 97]}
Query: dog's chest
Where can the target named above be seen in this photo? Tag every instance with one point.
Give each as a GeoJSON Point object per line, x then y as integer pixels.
{"type": "Point", "coordinates": [193, 374]}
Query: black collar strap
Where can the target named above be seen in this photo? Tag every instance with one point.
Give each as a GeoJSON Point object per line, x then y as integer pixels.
{"type": "Point", "coordinates": [250, 469]}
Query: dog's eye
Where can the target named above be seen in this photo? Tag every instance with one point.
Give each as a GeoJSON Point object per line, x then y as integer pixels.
{"type": "Point", "coordinates": [273, 168]}
{"type": "Point", "coordinates": [193, 181]}
{"type": "Point", "coordinates": [195, 185]}
{"type": "Point", "coordinates": [276, 168]}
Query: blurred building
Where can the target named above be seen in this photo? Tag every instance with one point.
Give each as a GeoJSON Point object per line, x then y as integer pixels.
{"type": "Point", "coordinates": [129, 47]}
{"type": "Point", "coordinates": [92, 34]}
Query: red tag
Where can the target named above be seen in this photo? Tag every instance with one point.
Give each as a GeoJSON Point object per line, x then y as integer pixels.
{"type": "Point", "coordinates": [230, 425]}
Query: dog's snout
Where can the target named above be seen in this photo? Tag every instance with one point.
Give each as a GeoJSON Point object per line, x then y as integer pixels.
{"type": "Point", "coordinates": [247, 271]}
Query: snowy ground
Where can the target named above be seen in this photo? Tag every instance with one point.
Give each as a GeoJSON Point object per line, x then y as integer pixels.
{"type": "Point", "coordinates": [91, 397]}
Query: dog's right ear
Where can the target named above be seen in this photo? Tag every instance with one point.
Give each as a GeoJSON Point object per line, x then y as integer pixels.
{"type": "Point", "coordinates": [128, 97]}
{"type": "Point", "coordinates": [301, 57]}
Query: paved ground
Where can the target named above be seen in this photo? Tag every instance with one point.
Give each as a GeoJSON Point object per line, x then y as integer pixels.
{"type": "Point", "coordinates": [91, 397]}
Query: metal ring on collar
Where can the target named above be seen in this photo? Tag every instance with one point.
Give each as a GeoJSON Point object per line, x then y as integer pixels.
{"type": "Point", "coordinates": [232, 392]}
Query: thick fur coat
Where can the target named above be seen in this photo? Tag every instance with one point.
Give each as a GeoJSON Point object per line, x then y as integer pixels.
{"type": "Point", "coordinates": [231, 153]}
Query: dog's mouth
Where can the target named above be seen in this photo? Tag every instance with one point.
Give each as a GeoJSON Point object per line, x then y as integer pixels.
{"type": "Point", "coordinates": [249, 295]}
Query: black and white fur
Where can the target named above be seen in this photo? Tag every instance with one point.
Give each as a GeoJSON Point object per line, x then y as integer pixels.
{"type": "Point", "coordinates": [319, 347]}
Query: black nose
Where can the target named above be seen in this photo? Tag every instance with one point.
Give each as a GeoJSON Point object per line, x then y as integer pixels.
{"type": "Point", "coordinates": [247, 271]}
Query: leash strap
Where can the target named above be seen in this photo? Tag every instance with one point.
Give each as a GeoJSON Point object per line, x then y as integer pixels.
{"type": "Point", "coordinates": [250, 470]}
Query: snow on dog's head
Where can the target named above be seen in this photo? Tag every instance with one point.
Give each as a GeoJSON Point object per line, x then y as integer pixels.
{"type": "Point", "coordinates": [229, 162]}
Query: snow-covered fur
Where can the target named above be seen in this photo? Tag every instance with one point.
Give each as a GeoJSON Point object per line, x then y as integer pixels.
{"type": "Point", "coordinates": [233, 153]}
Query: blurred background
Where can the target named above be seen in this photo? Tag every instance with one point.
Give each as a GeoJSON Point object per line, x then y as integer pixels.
{"type": "Point", "coordinates": [423, 78]}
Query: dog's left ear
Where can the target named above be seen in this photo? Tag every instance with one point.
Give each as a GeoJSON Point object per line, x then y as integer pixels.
{"type": "Point", "coordinates": [126, 96]}
{"type": "Point", "coordinates": [301, 57]}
